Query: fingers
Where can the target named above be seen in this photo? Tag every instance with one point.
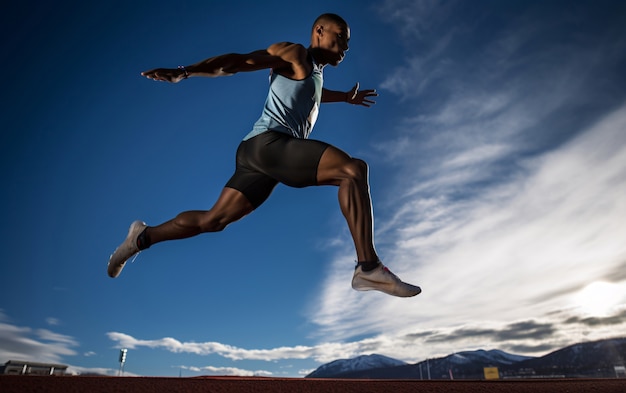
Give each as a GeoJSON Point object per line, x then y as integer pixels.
{"type": "Point", "coordinates": [367, 103]}
{"type": "Point", "coordinates": [366, 93]}
{"type": "Point", "coordinates": [158, 74]}
{"type": "Point", "coordinates": [362, 97]}
{"type": "Point", "coordinates": [357, 97]}
{"type": "Point", "coordinates": [369, 93]}
{"type": "Point", "coordinates": [150, 75]}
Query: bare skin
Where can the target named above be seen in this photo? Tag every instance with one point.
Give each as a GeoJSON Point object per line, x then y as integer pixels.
{"type": "Point", "coordinates": [329, 42]}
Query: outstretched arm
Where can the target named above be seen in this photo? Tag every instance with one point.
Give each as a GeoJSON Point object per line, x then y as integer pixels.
{"type": "Point", "coordinates": [227, 64]}
{"type": "Point", "coordinates": [354, 96]}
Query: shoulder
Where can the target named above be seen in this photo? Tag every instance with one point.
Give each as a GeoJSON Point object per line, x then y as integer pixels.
{"type": "Point", "coordinates": [295, 56]}
{"type": "Point", "coordinates": [288, 51]}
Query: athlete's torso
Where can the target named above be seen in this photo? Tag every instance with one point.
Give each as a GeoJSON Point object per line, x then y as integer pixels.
{"type": "Point", "coordinates": [291, 105]}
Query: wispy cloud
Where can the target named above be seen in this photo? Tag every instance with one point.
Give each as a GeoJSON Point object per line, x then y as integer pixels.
{"type": "Point", "coordinates": [79, 370]}
{"type": "Point", "coordinates": [210, 370]}
{"type": "Point", "coordinates": [43, 345]}
{"type": "Point", "coordinates": [25, 343]}
{"type": "Point", "coordinates": [415, 18]}
{"type": "Point", "coordinates": [507, 252]}
{"type": "Point", "coordinates": [323, 352]}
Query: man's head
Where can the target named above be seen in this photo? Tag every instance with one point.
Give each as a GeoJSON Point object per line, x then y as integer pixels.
{"type": "Point", "coordinates": [329, 38]}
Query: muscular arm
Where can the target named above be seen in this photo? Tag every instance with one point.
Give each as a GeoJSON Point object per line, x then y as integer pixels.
{"type": "Point", "coordinates": [354, 96]}
{"type": "Point", "coordinates": [233, 63]}
{"type": "Point", "coordinates": [282, 56]}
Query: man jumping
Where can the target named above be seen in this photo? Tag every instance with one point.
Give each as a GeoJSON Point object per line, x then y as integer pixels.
{"type": "Point", "coordinates": [278, 150]}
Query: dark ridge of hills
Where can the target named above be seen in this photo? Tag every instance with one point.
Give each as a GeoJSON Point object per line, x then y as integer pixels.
{"type": "Point", "coordinates": [596, 359]}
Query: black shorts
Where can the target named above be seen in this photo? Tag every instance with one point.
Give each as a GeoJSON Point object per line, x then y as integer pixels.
{"type": "Point", "coordinates": [275, 157]}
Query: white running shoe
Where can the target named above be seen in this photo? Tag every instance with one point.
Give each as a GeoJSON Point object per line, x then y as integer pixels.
{"type": "Point", "coordinates": [381, 279]}
{"type": "Point", "coordinates": [126, 250]}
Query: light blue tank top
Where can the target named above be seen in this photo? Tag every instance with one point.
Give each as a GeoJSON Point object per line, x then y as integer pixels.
{"type": "Point", "coordinates": [291, 105]}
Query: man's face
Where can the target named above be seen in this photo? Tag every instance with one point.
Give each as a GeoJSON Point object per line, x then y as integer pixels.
{"type": "Point", "coordinates": [333, 40]}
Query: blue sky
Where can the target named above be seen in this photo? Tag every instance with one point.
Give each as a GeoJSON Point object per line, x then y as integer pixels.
{"type": "Point", "coordinates": [497, 152]}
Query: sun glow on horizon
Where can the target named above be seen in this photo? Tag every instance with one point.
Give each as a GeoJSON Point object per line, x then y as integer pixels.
{"type": "Point", "coordinates": [599, 298]}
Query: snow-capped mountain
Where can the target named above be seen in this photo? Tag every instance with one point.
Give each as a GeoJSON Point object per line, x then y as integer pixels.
{"type": "Point", "coordinates": [467, 364]}
{"type": "Point", "coordinates": [360, 363]}
{"type": "Point", "coordinates": [494, 356]}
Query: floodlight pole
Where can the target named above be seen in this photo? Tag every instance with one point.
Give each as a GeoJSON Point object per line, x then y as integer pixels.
{"type": "Point", "coordinates": [122, 359]}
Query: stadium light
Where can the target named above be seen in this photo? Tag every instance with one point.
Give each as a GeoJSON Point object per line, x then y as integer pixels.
{"type": "Point", "coordinates": [122, 359]}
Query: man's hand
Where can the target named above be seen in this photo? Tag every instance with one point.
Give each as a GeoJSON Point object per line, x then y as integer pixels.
{"type": "Point", "coordinates": [173, 75]}
{"type": "Point", "coordinates": [361, 97]}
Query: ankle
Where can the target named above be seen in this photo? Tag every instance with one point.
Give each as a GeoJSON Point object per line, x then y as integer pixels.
{"type": "Point", "coordinates": [368, 266]}
{"type": "Point", "coordinates": [143, 240]}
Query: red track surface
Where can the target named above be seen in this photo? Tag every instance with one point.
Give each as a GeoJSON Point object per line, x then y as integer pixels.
{"type": "Point", "coordinates": [70, 384]}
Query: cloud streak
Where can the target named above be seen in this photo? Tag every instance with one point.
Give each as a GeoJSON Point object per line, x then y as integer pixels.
{"type": "Point", "coordinates": [233, 371]}
{"type": "Point", "coordinates": [24, 343]}
{"type": "Point", "coordinates": [322, 353]}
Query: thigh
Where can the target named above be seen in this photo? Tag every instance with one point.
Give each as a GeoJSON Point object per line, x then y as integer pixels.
{"type": "Point", "coordinates": [231, 205]}
{"type": "Point", "coordinates": [254, 185]}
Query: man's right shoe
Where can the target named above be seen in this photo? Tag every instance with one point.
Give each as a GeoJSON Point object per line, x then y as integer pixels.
{"type": "Point", "coordinates": [126, 250]}
{"type": "Point", "coordinates": [382, 279]}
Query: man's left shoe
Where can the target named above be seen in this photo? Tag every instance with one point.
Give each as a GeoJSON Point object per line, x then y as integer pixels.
{"type": "Point", "coordinates": [381, 279]}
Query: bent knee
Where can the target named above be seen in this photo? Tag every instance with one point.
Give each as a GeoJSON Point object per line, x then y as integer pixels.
{"type": "Point", "coordinates": [356, 169]}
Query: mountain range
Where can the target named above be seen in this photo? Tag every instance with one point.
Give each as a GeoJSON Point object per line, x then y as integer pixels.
{"type": "Point", "coordinates": [597, 359]}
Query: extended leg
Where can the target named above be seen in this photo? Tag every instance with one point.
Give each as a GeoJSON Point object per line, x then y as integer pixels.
{"type": "Point", "coordinates": [230, 207]}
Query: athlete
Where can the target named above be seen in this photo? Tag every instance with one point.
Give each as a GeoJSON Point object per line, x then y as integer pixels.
{"type": "Point", "coordinates": [278, 150]}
